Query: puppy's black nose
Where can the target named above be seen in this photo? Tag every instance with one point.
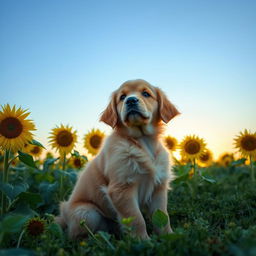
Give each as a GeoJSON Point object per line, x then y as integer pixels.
{"type": "Point", "coordinates": [131, 101]}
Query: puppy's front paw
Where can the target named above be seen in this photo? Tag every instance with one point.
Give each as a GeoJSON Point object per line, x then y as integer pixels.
{"type": "Point", "coordinates": [144, 237]}
{"type": "Point", "coordinates": [169, 230]}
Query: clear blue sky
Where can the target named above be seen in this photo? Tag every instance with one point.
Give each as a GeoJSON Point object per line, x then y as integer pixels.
{"type": "Point", "coordinates": [62, 59]}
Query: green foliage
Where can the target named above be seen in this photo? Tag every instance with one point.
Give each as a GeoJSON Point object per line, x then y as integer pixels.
{"type": "Point", "coordinates": [238, 162]}
{"type": "Point", "coordinates": [159, 219]}
{"type": "Point", "coordinates": [36, 143]}
{"type": "Point", "coordinates": [27, 159]}
{"type": "Point", "coordinates": [212, 213]}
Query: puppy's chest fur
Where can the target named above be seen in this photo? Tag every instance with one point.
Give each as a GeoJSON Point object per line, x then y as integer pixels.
{"type": "Point", "coordinates": [142, 163]}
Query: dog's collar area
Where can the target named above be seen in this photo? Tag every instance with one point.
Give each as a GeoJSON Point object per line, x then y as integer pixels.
{"type": "Point", "coordinates": [134, 141]}
{"type": "Point", "coordinates": [138, 145]}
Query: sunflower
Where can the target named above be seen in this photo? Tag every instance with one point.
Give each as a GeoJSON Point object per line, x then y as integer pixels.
{"type": "Point", "coordinates": [77, 162]}
{"type": "Point", "coordinates": [171, 143]}
{"type": "Point", "coordinates": [225, 159]}
{"type": "Point", "coordinates": [192, 147]}
{"type": "Point", "coordinates": [34, 150]}
{"type": "Point", "coordinates": [246, 143]}
{"type": "Point", "coordinates": [206, 158]}
{"type": "Point", "coordinates": [63, 139]}
{"type": "Point", "coordinates": [93, 141]}
{"type": "Point", "coordinates": [15, 129]}
{"type": "Point", "coordinates": [35, 226]}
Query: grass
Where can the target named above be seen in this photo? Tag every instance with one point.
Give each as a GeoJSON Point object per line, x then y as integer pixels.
{"type": "Point", "coordinates": [212, 216]}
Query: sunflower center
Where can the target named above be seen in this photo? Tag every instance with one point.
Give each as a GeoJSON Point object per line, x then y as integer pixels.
{"type": "Point", "coordinates": [248, 143]}
{"type": "Point", "coordinates": [95, 141]}
{"type": "Point", "coordinates": [192, 147]}
{"type": "Point", "coordinates": [205, 157]}
{"type": "Point", "coordinates": [10, 127]}
{"type": "Point", "coordinates": [77, 162]}
{"type": "Point", "coordinates": [35, 227]}
{"type": "Point", "coordinates": [64, 138]}
{"type": "Point", "coordinates": [35, 150]}
{"type": "Point", "coordinates": [169, 143]}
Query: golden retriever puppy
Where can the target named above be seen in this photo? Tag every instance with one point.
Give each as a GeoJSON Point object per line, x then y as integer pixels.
{"type": "Point", "coordinates": [132, 171]}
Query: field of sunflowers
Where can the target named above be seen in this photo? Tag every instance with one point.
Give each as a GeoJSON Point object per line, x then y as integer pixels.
{"type": "Point", "coordinates": [212, 204]}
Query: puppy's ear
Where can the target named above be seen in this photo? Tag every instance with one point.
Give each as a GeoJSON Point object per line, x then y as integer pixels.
{"type": "Point", "coordinates": [109, 115]}
{"type": "Point", "coordinates": [167, 110]}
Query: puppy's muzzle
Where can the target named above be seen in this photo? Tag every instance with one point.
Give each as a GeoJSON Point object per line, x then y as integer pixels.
{"type": "Point", "coordinates": [133, 108]}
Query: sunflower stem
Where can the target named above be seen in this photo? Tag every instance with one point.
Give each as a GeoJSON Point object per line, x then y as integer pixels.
{"type": "Point", "coordinates": [64, 162]}
{"type": "Point", "coordinates": [252, 169]}
{"type": "Point", "coordinates": [5, 180]}
{"type": "Point", "coordinates": [61, 176]}
{"type": "Point", "coordinates": [84, 225]}
{"type": "Point", "coordinates": [20, 237]}
{"type": "Point", "coordinates": [194, 166]}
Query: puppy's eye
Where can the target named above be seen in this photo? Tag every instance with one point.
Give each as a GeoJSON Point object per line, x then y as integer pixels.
{"type": "Point", "coordinates": [122, 97]}
{"type": "Point", "coordinates": [145, 94]}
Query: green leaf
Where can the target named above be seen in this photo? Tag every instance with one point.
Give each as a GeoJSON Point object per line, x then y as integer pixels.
{"type": "Point", "coordinates": [159, 219]}
{"type": "Point", "coordinates": [16, 252]}
{"type": "Point", "coordinates": [238, 162]}
{"type": "Point", "coordinates": [76, 153]}
{"type": "Point", "coordinates": [181, 178]}
{"type": "Point", "coordinates": [13, 223]}
{"type": "Point", "coordinates": [33, 199]}
{"type": "Point", "coordinates": [48, 191]}
{"type": "Point", "coordinates": [12, 191]}
{"type": "Point", "coordinates": [36, 143]}
{"type": "Point", "coordinates": [48, 162]}
{"type": "Point", "coordinates": [24, 209]}
{"type": "Point", "coordinates": [182, 169]}
{"type": "Point", "coordinates": [27, 159]}
{"type": "Point", "coordinates": [210, 180]}
{"type": "Point", "coordinates": [56, 230]}
{"type": "Point", "coordinates": [85, 158]}
{"type": "Point", "coordinates": [172, 237]}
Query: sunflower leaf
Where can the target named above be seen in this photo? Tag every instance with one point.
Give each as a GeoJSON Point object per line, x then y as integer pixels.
{"type": "Point", "coordinates": [210, 180]}
{"type": "Point", "coordinates": [13, 191]}
{"type": "Point", "coordinates": [36, 143]}
{"type": "Point", "coordinates": [85, 158]}
{"type": "Point", "coordinates": [33, 199]}
{"type": "Point", "coordinates": [49, 162]}
{"type": "Point", "coordinates": [75, 153]}
{"type": "Point", "coordinates": [26, 159]}
{"type": "Point", "coordinates": [56, 230]}
{"type": "Point", "coordinates": [13, 223]}
{"type": "Point", "coordinates": [17, 252]}
{"type": "Point", "coordinates": [159, 219]}
{"type": "Point", "coordinates": [238, 162]}
{"type": "Point", "coordinates": [181, 178]}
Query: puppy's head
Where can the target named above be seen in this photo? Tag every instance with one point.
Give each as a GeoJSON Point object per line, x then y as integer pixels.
{"type": "Point", "coordinates": [138, 104]}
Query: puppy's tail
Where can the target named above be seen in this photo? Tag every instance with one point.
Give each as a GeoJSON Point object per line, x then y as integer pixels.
{"type": "Point", "coordinates": [62, 218]}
